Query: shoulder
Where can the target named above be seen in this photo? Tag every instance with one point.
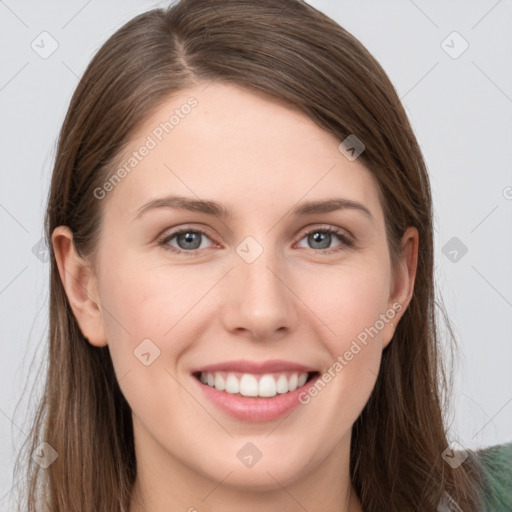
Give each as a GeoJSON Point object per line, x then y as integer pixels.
{"type": "Point", "coordinates": [496, 467]}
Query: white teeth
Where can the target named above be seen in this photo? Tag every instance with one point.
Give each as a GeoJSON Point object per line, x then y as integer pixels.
{"type": "Point", "coordinates": [232, 384]}
{"type": "Point", "coordinates": [219, 382]}
{"type": "Point", "coordinates": [292, 382]}
{"type": "Point", "coordinates": [282, 384]}
{"type": "Point", "coordinates": [303, 377]}
{"type": "Point", "coordinates": [247, 384]}
{"type": "Point", "coordinates": [267, 386]}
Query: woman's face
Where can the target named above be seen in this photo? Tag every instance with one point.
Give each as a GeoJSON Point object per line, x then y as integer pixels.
{"type": "Point", "coordinates": [257, 298]}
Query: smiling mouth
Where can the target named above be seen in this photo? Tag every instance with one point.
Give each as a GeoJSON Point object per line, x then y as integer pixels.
{"type": "Point", "coordinates": [264, 385]}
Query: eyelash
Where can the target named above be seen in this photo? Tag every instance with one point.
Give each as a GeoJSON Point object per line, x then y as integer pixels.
{"type": "Point", "coordinates": [346, 242]}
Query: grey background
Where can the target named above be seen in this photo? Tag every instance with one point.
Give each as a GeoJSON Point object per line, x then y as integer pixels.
{"type": "Point", "coordinates": [460, 109]}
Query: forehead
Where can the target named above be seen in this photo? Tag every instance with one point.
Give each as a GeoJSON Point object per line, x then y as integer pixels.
{"type": "Point", "coordinates": [242, 148]}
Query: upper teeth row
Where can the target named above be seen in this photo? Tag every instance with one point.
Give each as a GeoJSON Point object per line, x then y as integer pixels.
{"type": "Point", "coordinates": [248, 384]}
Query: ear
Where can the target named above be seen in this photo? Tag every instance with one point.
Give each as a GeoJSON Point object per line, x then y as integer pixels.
{"type": "Point", "coordinates": [80, 284]}
{"type": "Point", "coordinates": [402, 286]}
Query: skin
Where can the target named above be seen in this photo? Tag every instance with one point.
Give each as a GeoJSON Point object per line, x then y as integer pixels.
{"type": "Point", "coordinates": [260, 158]}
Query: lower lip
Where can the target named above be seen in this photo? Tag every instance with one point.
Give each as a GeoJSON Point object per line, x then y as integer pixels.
{"type": "Point", "coordinates": [255, 409]}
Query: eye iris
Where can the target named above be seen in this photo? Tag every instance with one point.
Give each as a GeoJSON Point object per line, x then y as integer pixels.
{"type": "Point", "coordinates": [321, 237]}
{"type": "Point", "coordinates": [192, 240]}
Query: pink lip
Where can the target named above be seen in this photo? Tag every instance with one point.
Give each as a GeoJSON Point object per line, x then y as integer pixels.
{"type": "Point", "coordinates": [255, 409]}
{"type": "Point", "coordinates": [256, 367]}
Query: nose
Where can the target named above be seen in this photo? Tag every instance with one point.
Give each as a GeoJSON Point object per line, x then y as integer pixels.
{"type": "Point", "coordinates": [260, 303]}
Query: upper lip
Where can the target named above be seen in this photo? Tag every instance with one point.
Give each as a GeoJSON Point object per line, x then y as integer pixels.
{"type": "Point", "coordinates": [256, 367]}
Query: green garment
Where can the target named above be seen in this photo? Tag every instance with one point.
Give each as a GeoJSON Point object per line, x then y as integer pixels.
{"type": "Point", "coordinates": [497, 472]}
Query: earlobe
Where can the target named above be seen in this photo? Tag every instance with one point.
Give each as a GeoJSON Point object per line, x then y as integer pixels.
{"type": "Point", "coordinates": [80, 284]}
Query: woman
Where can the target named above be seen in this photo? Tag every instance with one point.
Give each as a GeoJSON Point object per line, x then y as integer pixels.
{"type": "Point", "coordinates": [242, 299]}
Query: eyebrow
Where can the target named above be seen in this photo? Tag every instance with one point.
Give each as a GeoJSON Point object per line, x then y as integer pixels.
{"type": "Point", "coordinates": [218, 210]}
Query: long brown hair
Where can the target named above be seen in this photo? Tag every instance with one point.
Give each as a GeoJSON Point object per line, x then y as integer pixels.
{"type": "Point", "coordinates": [292, 52]}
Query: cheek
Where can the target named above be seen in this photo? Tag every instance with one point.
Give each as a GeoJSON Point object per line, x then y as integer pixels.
{"type": "Point", "coordinates": [352, 304]}
{"type": "Point", "coordinates": [348, 300]}
{"type": "Point", "coordinates": [146, 302]}
{"type": "Point", "coordinates": [151, 316]}
{"type": "Point", "coordinates": [155, 310]}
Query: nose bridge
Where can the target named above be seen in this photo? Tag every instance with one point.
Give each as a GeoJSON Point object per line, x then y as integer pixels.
{"type": "Point", "coordinates": [260, 278]}
{"type": "Point", "coordinates": [261, 302]}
